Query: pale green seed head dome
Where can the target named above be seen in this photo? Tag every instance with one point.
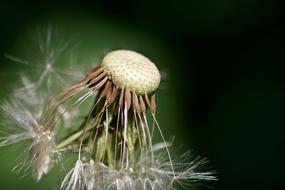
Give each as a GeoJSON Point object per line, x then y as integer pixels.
{"type": "Point", "coordinates": [132, 70]}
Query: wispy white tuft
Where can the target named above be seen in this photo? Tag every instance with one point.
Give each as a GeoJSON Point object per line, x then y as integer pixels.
{"type": "Point", "coordinates": [42, 151]}
{"type": "Point", "coordinates": [187, 172]}
{"type": "Point", "coordinates": [89, 175]}
{"type": "Point", "coordinates": [28, 93]}
{"type": "Point", "coordinates": [23, 122]}
{"type": "Point", "coordinates": [19, 119]}
{"type": "Point", "coordinates": [35, 99]}
{"type": "Point", "coordinates": [68, 115]}
{"type": "Point", "coordinates": [50, 71]}
{"type": "Point", "coordinates": [74, 178]}
{"type": "Point", "coordinates": [142, 174]}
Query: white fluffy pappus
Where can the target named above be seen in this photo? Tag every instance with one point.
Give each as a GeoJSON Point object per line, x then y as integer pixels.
{"type": "Point", "coordinates": [142, 173]}
{"type": "Point", "coordinates": [23, 122]}
{"type": "Point", "coordinates": [51, 50]}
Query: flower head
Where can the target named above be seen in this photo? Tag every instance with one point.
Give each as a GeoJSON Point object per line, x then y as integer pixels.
{"type": "Point", "coordinates": [131, 70]}
{"type": "Point", "coordinates": [114, 140]}
{"type": "Point", "coordinates": [116, 135]}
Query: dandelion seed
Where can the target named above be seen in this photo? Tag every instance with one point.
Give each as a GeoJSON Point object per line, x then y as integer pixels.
{"type": "Point", "coordinates": [74, 178]}
{"type": "Point", "coordinates": [20, 119]}
{"type": "Point", "coordinates": [24, 122]}
{"type": "Point", "coordinates": [43, 150]}
{"type": "Point", "coordinates": [51, 45]}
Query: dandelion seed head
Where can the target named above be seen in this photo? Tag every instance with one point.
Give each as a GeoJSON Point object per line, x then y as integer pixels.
{"type": "Point", "coordinates": [42, 149]}
{"type": "Point", "coordinates": [114, 142]}
{"type": "Point", "coordinates": [132, 70]}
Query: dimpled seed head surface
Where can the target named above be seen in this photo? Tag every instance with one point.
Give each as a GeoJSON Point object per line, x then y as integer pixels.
{"type": "Point", "coordinates": [129, 69]}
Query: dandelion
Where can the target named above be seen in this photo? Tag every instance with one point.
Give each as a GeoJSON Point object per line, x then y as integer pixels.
{"type": "Point", "coordinates": [114, 140]}
{"type": "Point", "coordinates": [124, 85]}
{"type": "Point", "coordinates": [25, 125]}
{"type": "Point", "coordinates": [117, 132]}
{"type": "Point", "coordinates": [51, 47]}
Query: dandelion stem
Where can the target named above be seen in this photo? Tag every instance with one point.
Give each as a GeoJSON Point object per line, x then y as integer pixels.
{"type": "Point", "coordinates": [73, 137]}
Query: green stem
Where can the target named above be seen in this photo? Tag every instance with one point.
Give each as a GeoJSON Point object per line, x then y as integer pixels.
{"type": "Point", "coordinates": [73, 137]}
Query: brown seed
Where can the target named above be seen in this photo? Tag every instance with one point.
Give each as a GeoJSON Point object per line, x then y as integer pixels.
{"type": "Point", "coordinates": [153, 103]}
{"type": "Point", "coordinates": [142, 105]}
{"type": "Point", "coordinates": [109, 91]}
{"type": "Point", "coordinates": [104, 92]}
{"type": "Point", "coordinates": [121, 100]}
{"type": "Point", "coordinates": [147, 100]}
{"type": "Point", "coordinates": [97, 79]}
{"type": "Point", "coordinates": [113, 95]}
{"type": "Point", "coordinates": [135, 102]}
{"type": "Point", "coordinates": [128, 98]}
{"type": "Point", "coordinates": [93, 74]}
{"type": "Point", "coordinates": [100, 84]}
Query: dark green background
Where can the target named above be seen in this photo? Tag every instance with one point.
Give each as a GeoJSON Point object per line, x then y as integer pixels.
{"type": "Point", "coordinates": [224, 94]}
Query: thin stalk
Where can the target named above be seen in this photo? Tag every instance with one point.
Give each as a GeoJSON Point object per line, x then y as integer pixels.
{"type": "Point", "coordinates": [73, 137]}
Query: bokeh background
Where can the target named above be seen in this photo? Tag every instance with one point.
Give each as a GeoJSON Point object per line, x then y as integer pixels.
{"type": "Point", "coordinates": [223, 93]}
